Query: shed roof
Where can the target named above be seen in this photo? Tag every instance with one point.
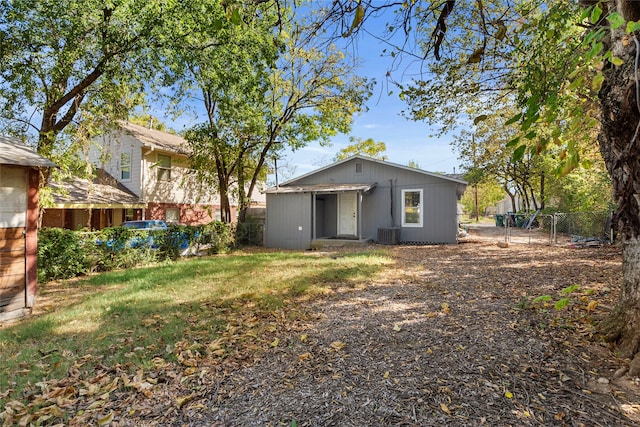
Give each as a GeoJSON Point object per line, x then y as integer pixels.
{"type": "Point", "coordinates": [14, 152]}
{"type": "Point", "coordinates": [103, 191]}
{"type": "Point", "coordinates": [156, 139]}
{"type": "Point", "coordinates": [321, 188]}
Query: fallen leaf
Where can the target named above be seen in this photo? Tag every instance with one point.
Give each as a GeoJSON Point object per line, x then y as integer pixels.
{"type": "Point", "coordinates": [508, 394]}
{"type": "Point", "coordinates": [303, 337]}
{"type": "Point", "coordinates": [181, 401]}
{"type": "Point", "coordinates": [275, 342]}
{"type": "Point", "coordinates": [386, 375]}
{"type": "Point", "coordinates": [304, 356]}
{"type": "Point", "coordinates": [396, 327]}
{"type": "Point", "coordinates": [592, 305]}
{"type": "Point", "coordinates": [337, 345]}
{"type": "Point", "coordinates": [445, 408]}
{"type": "Point", "coordinates": [106, 420]}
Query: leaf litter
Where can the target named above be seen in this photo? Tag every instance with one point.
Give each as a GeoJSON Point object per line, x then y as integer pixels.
{"type": "Point", "coordinates": [448, 335]}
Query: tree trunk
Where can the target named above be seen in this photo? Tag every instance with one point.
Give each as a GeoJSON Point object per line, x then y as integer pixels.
{"type": "Point", "coordinates": [620, 148]}
{"type": "Point", "coordinates": [542, 195]}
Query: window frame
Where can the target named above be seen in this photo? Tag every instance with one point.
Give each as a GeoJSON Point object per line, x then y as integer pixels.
{"type": "Point", "coordinates": [359, 164]}
{"type": "Point", "coordinates": [420, 208]}
{"type": "Point", "coordinates": [170, 212]}
{"type": "Point", "coordinates": [163, 173]}
{"type": "Point", "coordinates": [124, 167]}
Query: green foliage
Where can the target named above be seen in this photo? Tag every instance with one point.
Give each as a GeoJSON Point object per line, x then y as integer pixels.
{"type": "Point", "coordinates": [218, 236]}
{"type": "Point", "coordinates": [249, 233]}
{"type": "Point", "coordinates": [263, 91]}
{"type": "Point", "coordinates": [543, 301]}
{"type": "Point", "coordinates": [62, 254]}
{"type": "Point", "coordinates": [489, 194]}
{"type": "Point", "coordinates": [81, 61]}
{"type": "Point", "coordinates": [128, 320]}
{"type": "Point", "coordinates": [367, 147]}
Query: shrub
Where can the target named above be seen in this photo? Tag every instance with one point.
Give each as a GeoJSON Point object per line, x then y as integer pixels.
{"type": "Point", "coordinates": [62, 254]}
{"type": "Point", "coordinates": [249, 233]}
{"type": "Point", "coordinates": [218, 236]}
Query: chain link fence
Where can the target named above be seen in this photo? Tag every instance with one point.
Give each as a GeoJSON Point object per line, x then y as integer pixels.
{"type": "Point", "coordinates": [578, 228]}
{"type": "Point", "coordinates": [584, 227]}
{"type": "Point", "coordinates": [249, 234]}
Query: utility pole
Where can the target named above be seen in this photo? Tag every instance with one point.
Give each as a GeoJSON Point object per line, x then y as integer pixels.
{"type": "Point", "coordinates": [475, 184]}
{"type": "Point", "coordinates": [275, 167]}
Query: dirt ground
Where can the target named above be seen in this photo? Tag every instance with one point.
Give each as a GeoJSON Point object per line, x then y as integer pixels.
{"type": "Point", "coordinates": [474, 334]}
{"type": "Point", "coordinates": [453, 335]}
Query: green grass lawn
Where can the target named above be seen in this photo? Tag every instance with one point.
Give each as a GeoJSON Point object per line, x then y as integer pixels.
{"type": "Point", "coordinates": [128, 319]}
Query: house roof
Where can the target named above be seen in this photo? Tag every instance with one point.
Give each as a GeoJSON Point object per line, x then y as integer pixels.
{"type": "Point", "coordinates": [321, 188]}
{"type": "Point", "coordinates": [156, 139]}
{"type": "Point", "coordinates": [103, 191]}
{"type": "Point", "coordinates": [14, 152]}
{"type": "Point", "coordinates": [455, 178]}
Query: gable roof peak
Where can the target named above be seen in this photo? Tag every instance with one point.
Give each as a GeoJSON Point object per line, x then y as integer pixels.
{"type": "Point", "coordinates": [379, 161]}
{"type": "Point", "coordinates": [156, 139]}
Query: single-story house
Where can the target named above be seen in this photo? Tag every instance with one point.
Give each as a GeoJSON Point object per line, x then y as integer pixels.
{"type": "Point", "coordinates": [363, 199]}
{"type": "Point", "coordinates": [19, 181]}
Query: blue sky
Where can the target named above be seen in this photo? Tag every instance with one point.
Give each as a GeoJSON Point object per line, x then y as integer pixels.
{"type": "Point", "coordinates": [406, 140]}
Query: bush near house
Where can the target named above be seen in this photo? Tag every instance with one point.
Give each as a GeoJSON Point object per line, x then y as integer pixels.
{"type": "Point", "coordinates": [64, 254]}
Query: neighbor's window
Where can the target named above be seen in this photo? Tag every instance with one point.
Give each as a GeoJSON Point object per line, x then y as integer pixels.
{"type": "Point", "coordinates": [125, 166]}
{"type": "Point", "coordinates": [129, 215]}
{"type": "Point", "coordinates": [164, 167]}
{"type": "Point", "coordinates": [172, 215]}
{"type": "Point", "coordinates": [358, 167]}
{"type": "Point", "coordinates": [412, 208]}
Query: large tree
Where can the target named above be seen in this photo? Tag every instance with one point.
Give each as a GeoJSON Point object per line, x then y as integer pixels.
{"type": "Point", "coordinates": [620, 147]}
{"type": "Point", "coordinates": [554, 56]}
{"type": "Point", "coordinates": [60, 58]}
{"type": "Point", "coordinates": [368, 147]}
{"type": "Point", "coordinates": [265, 87]}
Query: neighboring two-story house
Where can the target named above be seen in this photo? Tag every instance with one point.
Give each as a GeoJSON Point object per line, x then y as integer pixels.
{"type": "Point", "coordinates": [153, 167]}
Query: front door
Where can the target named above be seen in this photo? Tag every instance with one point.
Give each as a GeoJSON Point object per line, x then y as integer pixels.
{"type": "Point", "coordinates": [347, 214]}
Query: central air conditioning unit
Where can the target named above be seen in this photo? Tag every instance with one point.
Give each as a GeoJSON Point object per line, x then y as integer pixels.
{"type": "Point", "coordinates": [389, 235]}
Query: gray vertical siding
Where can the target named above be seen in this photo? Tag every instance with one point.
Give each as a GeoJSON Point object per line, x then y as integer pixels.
{"type": "Point", "coordinates": [440, 199]}
{"type": "Point", "coordinates": [439, 205]}
{"type": "Point", "coordinates": [288, 221]}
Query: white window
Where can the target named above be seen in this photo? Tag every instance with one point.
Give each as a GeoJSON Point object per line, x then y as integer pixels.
{"type": "Point", "coordinates": [125, 166]}
{"type": "Point", "coordinates": [164, 167]}
{"type": "Point", "coordinates": [412, 208]}
{"type": "Point", "coordinates": [172, 215]}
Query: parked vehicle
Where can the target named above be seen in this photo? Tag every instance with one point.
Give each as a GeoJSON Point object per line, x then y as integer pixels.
{"type": "Point", "coordinates": [150, 233]}
{"type": "Point", "coordinates": [146, 224]}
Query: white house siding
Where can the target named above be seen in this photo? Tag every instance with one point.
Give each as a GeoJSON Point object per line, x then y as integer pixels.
{"type": "Point", "coordinates": [183, 188]}
{"type": "Point", "coordinates": [107, 156]}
